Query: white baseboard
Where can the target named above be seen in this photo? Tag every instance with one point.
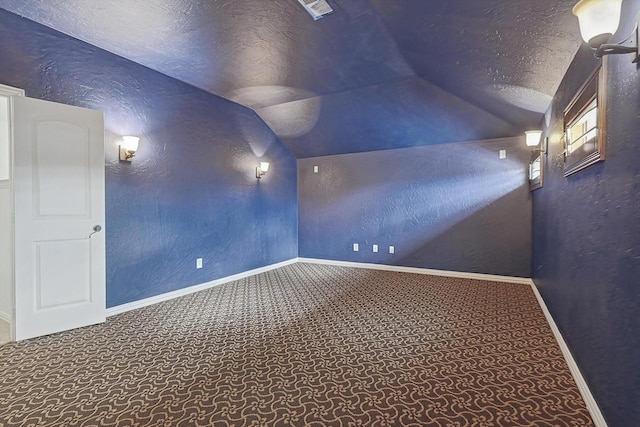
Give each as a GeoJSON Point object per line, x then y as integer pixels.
{"type": "Point", "coordinates": [591, 403]}
{"type": "Point", "coordinates": [192, 289]}
{"type": "Point", "coordinates": [415, 270]}
{"type": "Point", "coordinates": [197, 288]}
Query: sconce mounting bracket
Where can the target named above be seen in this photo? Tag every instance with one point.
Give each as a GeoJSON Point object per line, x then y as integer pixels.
{"type": "Point", "coordinates": [125, 155]}
{"type": "Point", "coordinates": [612, 48]}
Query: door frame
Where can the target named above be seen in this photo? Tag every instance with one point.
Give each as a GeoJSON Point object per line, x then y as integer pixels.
{"type": "Point", "coordinates": [11, 92]}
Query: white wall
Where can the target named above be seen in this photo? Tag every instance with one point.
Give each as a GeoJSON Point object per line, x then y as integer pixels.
{"type": "Point", "coordinates": [6, 260]}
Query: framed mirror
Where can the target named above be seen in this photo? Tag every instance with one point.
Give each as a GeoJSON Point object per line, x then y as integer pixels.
{"type": "Point", "coordinates": [585, 124]}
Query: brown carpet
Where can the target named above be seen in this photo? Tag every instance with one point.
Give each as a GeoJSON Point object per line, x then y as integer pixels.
{"type": "Point", "coordinates": [304, 345]}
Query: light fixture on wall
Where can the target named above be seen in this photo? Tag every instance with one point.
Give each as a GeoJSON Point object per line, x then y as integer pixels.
{"type": "Point", "coordinates": [599, 21]}
{"type": "Point", "coordinates": [129, 147]}
{"type": "Point", "coordinates": [262, 169]}
{"type": "Point", "coordinates": [532, 137]}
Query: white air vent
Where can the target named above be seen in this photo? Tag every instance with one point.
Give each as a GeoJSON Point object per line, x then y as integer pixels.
{"type": "Point", "coordinates": [316, 8]}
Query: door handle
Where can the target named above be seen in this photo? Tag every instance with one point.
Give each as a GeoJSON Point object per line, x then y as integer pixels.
{"type": "Point", "coordinates": [96, 229]}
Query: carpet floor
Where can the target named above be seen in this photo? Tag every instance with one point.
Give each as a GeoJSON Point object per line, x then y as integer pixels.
{"type": "Point", "coordinates": [304, 345]}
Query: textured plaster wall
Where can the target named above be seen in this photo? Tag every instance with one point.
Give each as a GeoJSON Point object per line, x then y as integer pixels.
{"type": "Point", "coordinates": [586, 256]}
{"type": "Point", "coordinates": [191, 190]}
{"type": "Point", "coordinates": [449, 206]}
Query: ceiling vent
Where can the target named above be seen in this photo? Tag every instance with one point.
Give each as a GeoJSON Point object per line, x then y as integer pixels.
{"type": "Point", "coordinates": [316, 8]}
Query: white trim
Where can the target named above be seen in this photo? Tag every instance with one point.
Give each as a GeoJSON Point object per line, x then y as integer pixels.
{"type": "Point", "coordinates": [197, 288]}
{"type": "Point", "coordinates": [11, 91]}
{"type": "Point", "coordinates": [588, 398]}
{"type": "Point", "coordinates": [5, 185]}
{"type": "Point", "coordinates": [415, 270]}
{"type": "Point", "coordinates": [192, 289]}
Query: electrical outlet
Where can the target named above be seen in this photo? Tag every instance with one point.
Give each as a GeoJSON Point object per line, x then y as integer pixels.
{"type": "Point", "coordinates": [503, 154]}
{"type": "Point", "coordinates": [198, 263]}
{"type": "Point", "coordinates": [375, 248]}
{"type": "Point", "coordinates": [392, 249]}
{"type": "Point", "coordinates": [356, 247]}
{"type": "Point", "coordinates": [316, 169]}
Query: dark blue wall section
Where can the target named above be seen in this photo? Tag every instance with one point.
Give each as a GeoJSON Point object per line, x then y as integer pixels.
{"type": "Point", "coordinates": [406, 113]}
{"type": "Point", "coordinates": [450, 207]}
{"type": "Point", "coordinates": [191, 190]}
{"type": "Point", "coordinates": [586, 258]}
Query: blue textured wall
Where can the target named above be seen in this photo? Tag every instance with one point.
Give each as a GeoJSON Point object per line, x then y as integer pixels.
{"type": "Point", "coordinates": [191, 190]}
{"type": "Point", "coordinates": [450, 206]}
{"type": "Point", "coordinates": [586, 257]}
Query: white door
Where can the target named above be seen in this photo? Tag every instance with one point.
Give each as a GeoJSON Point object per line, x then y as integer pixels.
{"type": "Point", "coordinates": [59, 199]}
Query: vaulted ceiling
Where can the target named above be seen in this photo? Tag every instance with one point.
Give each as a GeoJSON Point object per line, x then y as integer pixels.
{"type": "Point", "coordinates": [375, 74]}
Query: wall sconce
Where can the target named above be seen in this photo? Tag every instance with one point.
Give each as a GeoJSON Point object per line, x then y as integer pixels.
{"type": "Point", "coordinates": [128, 147]}
{"type": "Point", "coordinates": [532, 137]}
{"type": "Point", "coordinates": [262, 169]}
{"type": "Point", "coordinates": [599, 21]}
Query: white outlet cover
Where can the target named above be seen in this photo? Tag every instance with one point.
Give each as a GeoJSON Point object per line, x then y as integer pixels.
{"type": "Point", "coordinates": [503, 154]}
{"type": "Point", "coordinates": [375, 248]}
{"type": "Point", "coordinates": [356, 247]}
{"type": "Point", "coordinates": [316, 169]}
{"type": "Point", "coordinates": [392, 249]}
{"type": "Point", "coordinates": [199, 263]}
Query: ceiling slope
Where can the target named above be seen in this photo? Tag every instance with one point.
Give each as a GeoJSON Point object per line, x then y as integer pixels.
{"type": "Point", "coordinates": [405, 113]}
{"type": "Point", "coordinates": [369, 76]}
{"type": "Point", "coordinates": [507, 57]}
{"type": "Point", "coordinates": [244, 49]}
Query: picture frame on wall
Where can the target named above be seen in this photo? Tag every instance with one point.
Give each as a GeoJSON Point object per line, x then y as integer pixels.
{"type": "Point", "coordinates": [544, 146]}
{"type": "Point", "coordinates": [585, 124]}
{"type": "Point", "coordinates": [536, 170]}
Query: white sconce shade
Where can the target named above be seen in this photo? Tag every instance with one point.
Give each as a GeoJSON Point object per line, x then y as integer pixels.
{"type": "Point", "coordinates": [131, 143]}
{"type": "Point", "coordinates": [129, 147]}
{"type": "Point", "coordinates": [599, 20]}
{"type": "Point", "coordinates": [262, 169]}
{"type": "Point", "coordinates": [532, 137]}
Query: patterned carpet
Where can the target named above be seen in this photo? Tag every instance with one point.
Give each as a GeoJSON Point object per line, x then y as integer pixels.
{"type": "Point", "coordinates": [304, 345]}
